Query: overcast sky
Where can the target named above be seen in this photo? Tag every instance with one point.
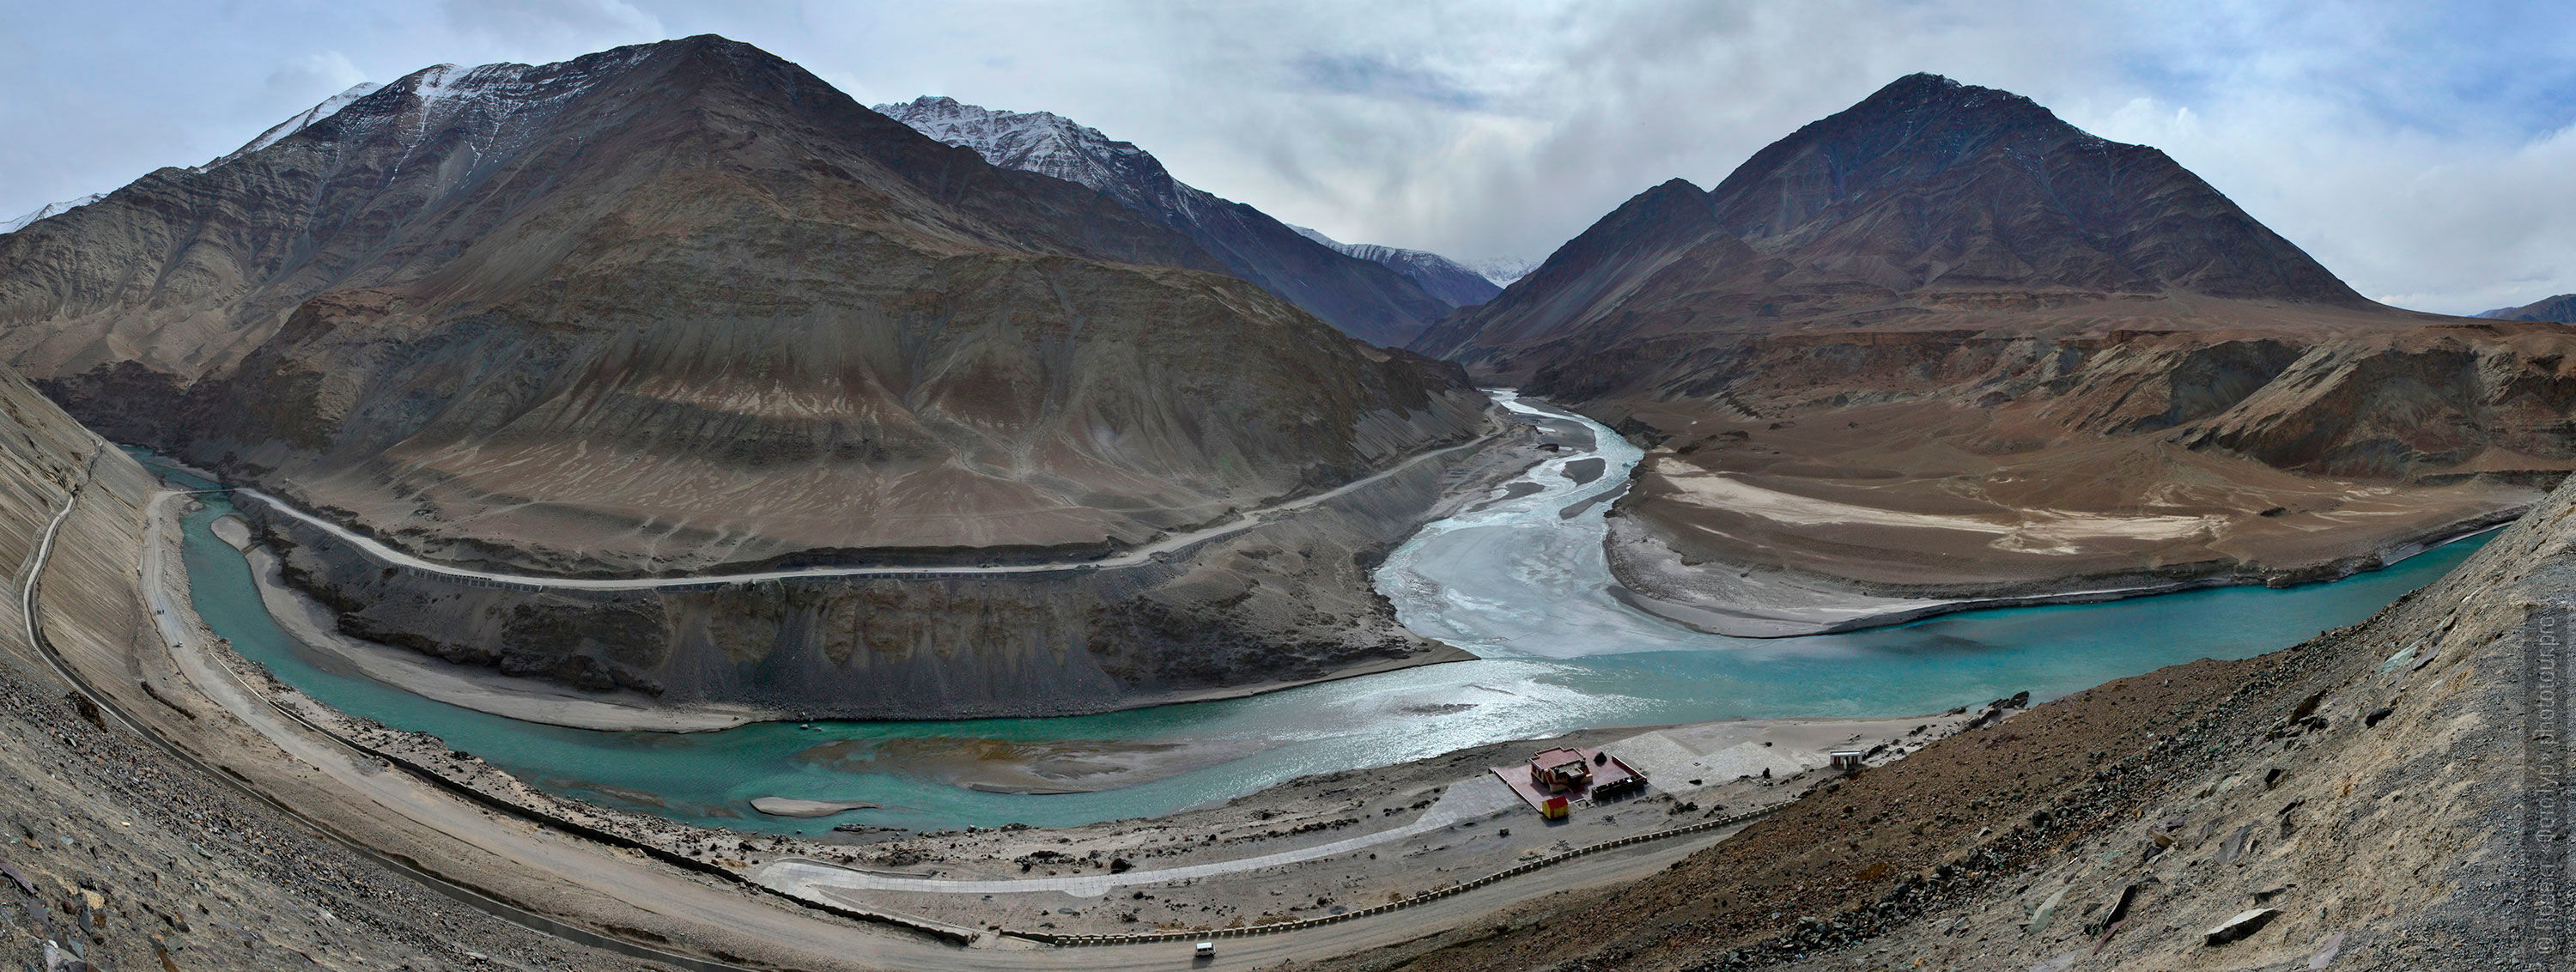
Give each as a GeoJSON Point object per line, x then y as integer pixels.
{"type": "Point", "coordinates": [2425, 152]}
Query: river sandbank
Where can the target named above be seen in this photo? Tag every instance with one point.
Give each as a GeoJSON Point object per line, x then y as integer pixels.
{"type": "Point", "coordinates": [1751, 601]}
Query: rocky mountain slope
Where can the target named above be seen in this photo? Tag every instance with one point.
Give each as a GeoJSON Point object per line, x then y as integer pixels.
{"type": "Point", "coordinates": [1438, 275]}
{"type": "Point", "coordinates": [1363, 299]}
{"type": "Point", "coordinates": [125, 858]}
{"type": "Point", "coordinates": [683, 307]}
{"type": "Point", "coordinates": [1898, 348]}
{"type": "Point", "coordinates": [2559, 308]}
{"type": "Point", "coordinates": [2359, 794]}
{"type": "Point", "coordinates": [1928, 188]}
{"type": "Point", "coordinates": [680, 305]}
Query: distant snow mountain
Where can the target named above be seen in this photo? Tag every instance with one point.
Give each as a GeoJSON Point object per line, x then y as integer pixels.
{"type": "Point", "coordinates": [1438, 275]}
{"type": "Point", "coordinates": [1503, 270]}
{"type": "Point", "coordinates": [48, 211]}
{"type": "Point", "coordinates": [1367, 300]}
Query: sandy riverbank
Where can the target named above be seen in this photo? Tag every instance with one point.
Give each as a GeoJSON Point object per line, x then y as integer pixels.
{"type": "Point", "coordinates": [1860, 515]}
{"type": "Point", "coordinates": [1763, 601]}
{"type": "Point", "coordinates": [1335, 841]}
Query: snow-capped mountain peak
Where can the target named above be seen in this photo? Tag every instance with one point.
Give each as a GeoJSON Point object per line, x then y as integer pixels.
{"type": "Point", "coordinates": [48, 211]}
{"type": "Point", "coordinates": [1503, 270]}
{"type": "Point", "coordinates": [1042, 142]}
{"type": "Point", "coordinates": [1442, 277]}
{"type": "Point", "coordinates": [1366, 301]}
{"type": "Point", "coordinates": [430, 99]}
{"type": "Point", "coordinates": [329, 106]}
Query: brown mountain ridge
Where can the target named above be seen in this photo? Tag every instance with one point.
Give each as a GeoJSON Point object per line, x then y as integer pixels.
{"type": "Point", "coordinates": [683, 307]}
{"type": "Point", "coordinates": [680, 305]}
{"type": "Point", "coordinates": [1943, 344]}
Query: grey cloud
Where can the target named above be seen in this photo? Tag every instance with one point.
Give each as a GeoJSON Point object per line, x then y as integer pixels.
{"type": "Point", "coordinates": [2380, 135]}
{"type": "Point", "coordinates": [521, 21]}
{"type": "Point", "coordinates": [1363, 74]}
{"type": "Point", "coordinates": [310, 78]}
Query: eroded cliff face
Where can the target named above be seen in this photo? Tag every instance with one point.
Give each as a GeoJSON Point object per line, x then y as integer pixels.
{"type": "Point", "coordinates": [681, 305]}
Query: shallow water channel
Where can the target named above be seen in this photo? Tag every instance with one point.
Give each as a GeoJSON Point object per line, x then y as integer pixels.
{"type": "Point", "coordinates": [1516, 581]}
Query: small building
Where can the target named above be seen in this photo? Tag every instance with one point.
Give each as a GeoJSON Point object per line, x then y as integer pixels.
{"type": "Point", "coordinates": [1561, 769]}
{"type": "Point", "coordinates": [1847, 760]}
{"type": "Point", "coordinates": [1554, 780]}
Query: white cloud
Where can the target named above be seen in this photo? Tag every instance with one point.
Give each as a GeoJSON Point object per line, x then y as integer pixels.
{"type": "Point", "coordinates": [315, 75]}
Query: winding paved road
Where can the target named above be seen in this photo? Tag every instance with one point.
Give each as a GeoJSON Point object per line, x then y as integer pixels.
{"type": "Point", "coordinates": [1470, 799]}
{"type": "Point", "coordinates": [1139, 555]}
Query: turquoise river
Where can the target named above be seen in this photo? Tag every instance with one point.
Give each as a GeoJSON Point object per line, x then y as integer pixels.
{"type": "Point", "coordinates": [1520, 582]}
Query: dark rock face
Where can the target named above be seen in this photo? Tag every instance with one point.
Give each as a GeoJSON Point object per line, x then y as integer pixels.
{"type": "Point", "coordinates": [1362, 298]}
{"type": "Point", "coordinates": [1930, 182]}
{"type": "Point", "coordinates": [1924, 194]}
{"type": "Point", "coordinates": [683, 304]}
{"type": "Point", "coordinates": [1644, 237]}
{"type": "Point", "coordinates": [2559, 308]}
